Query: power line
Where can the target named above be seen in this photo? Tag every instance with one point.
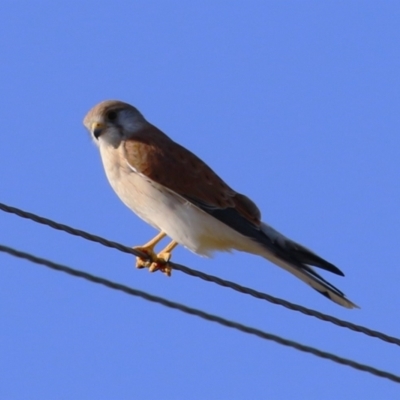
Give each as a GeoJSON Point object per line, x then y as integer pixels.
{"type": "Point", "coordinates": [201, 314]}
{"type": "Point", "coordinates": [209, 278]}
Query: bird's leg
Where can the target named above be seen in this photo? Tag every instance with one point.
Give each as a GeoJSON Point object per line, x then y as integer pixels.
{"type": "Point", "coordinates": [148, 248]}
{"type": "Point", "coordinates": [161, 262]}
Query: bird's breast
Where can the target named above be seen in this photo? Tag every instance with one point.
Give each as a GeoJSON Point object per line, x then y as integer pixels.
{"type": "Point", "coordinates": [135, 191]}
{"type": "Point", "coordinates": [166, 210]}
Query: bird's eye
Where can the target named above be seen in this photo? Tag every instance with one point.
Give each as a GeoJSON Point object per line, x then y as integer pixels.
{"type": "Point", "coordinates": [111, 115]}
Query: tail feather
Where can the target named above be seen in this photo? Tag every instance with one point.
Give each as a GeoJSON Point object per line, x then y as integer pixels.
{"type": "Point", "coordinates": [306, 256]}
{"type": "Point", "coordinates": [298, 260]}
{"type": "Point", "coordinates": [317, 283]}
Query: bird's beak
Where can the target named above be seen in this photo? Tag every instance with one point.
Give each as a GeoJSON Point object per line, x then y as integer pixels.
{"type": "Point", "coordinates": [97, 129]}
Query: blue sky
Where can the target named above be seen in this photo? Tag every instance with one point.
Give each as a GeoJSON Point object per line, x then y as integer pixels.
{"type": "Point", "coordinates": [295, 104]}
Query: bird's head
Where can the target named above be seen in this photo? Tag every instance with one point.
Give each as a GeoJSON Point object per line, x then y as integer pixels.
{"type": "Point", "coordinates": [112, 121]}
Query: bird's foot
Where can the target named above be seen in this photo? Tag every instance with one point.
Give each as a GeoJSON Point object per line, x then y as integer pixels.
{"type": "Point", "coordinates": [154, 262]}
{"type": "Point", "coordinates": [160, 263]}
{"type": "Point", "coordinates": [145, 262]}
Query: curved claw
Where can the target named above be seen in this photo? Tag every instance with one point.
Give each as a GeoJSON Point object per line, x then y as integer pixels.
{"type": "Point", "coordinates": [148, 249]}
{"type": "Point", "coordinates": [156, 262]}
{"type": "Point", "coordinates": [161, 263]}
{"type": "Point", "coordinates": [143, 262]}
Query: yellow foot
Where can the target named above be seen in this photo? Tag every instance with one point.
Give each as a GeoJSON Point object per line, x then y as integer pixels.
{"type": "Point", "coordinates": [160, 263]}
{"type": "Point", "coordinates": [148, 249]}
{"type": "Point", "coordinates": [143, 262]}
{"type": "Point", "coordinates": [155, 262]}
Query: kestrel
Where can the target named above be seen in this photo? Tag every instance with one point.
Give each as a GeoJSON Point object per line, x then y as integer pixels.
{"type": "Point", "coordinates": [182, 197]}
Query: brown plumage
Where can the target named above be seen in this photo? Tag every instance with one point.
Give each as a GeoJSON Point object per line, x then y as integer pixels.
{"type": "Point", "coordinates": [177, 193]}
{"type": "Point", "coordinates": [153, 154]}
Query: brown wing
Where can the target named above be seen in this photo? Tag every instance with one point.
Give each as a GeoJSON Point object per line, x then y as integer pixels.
{"type": "Point", "coordinates": [155, 155]}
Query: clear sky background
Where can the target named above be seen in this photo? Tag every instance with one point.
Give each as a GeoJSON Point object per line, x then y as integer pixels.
{"type": "Point", "coordinates": [295, 104]}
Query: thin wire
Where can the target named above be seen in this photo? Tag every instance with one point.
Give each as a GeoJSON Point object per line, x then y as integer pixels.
{"type": "Point", "coordinates": [209, 278]}
{"type": "Point", "coordinates": [201, 314]}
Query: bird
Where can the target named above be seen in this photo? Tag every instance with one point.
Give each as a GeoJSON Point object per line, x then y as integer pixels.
{"type": "Point", "coordinates": [177, 193]}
